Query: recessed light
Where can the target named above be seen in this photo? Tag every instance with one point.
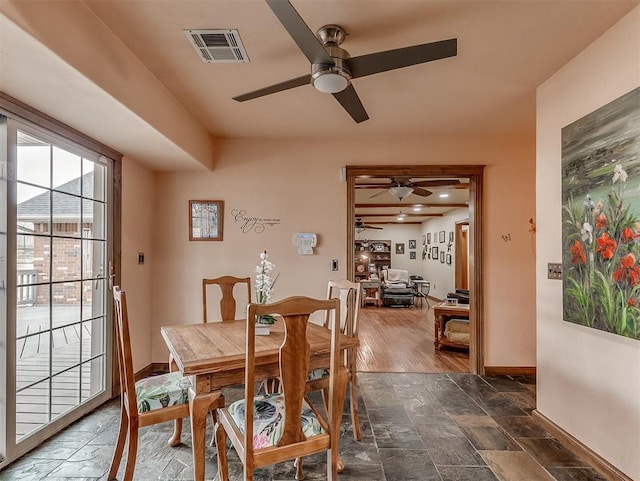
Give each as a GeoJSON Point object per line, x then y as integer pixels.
{"type": "Point", "coordinates": [444, 195]}
{"type": "Point", "coordinates": [417, 208]}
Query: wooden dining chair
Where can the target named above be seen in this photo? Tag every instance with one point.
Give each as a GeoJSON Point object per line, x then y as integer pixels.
{"type": "Point", "coordinates": [227, 300]}
{"type": "Point", "coordinates": [150, 401]}
{"type": "Point", "coordinates": [284, 425]}
{"type": "Point", "coordinates": [349, 295]}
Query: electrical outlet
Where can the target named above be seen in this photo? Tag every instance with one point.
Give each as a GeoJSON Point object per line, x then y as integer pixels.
{"type": "Point", "coordinates": [554, 270]}
{"type": "Point", "coordinates": [334, 264]}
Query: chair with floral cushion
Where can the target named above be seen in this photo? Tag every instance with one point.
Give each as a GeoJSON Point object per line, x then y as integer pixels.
{"type": "Point", "coordinates": [349, 294]}
{"type": "Point", "coordinates": [283, 425]}
{"type": "Point", "coordinates": [227, 301]}
{"type": "Point", "coordinates": [150, 401]}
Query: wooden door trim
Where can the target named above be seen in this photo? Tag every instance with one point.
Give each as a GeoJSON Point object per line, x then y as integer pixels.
{"type": "Point", "coordinates": [475, 174]}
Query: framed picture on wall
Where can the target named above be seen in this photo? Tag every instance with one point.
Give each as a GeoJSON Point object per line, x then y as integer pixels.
{"type": "Point", "coordinates": [206, 220]}
{"type": "Point", "coordinates": [451, 236]}
{"type": "Point", "coordinates": [448, 259]}
{"type": "Point", "coordinates": [429, 238]}
{"type": "Point", "coordinates": [412, 255]}
{"type": "Point", "coordinates": [412, 244]}
{"type": "Point", "coordinates": [442, 257]}
{"type": "Point", "coordinates": [441, 236]}
{"type": "Point", "coordinates": [424, 239]}
{"type": "Point", "coordinates": [400, 248]}
{"type": "Point", "coordinates": [434, 252]}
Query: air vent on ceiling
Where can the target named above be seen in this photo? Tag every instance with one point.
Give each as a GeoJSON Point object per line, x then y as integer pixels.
{"type": "Point", "coordinates": [218, 46]}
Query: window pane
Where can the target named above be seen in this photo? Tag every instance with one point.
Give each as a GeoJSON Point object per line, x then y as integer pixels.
{"type": "Point", "coordinates": [66, 215]}
{"type": "Point", "coordinates": [66, 264]}
{"type": "Point", "coordinates": [65, 392]}
{"type": "Point", "coordinates": [93, 262]}
{"type": "Point", "coordinates": [66, 171]}
{"type": "Point", "coordinates": [33, 318]}
{"type": "Point", "coordinates": [32, 355]}
{"type": "Point", "coordinates": [66, 303]}
{"type": "Point", "coordinates": [93, 377]}
{"type": "Point", "coordinates": [32, 262]}
{"type": "Point", "coordinates": [33, 209]}
{"type": "Point", "coordinates": [66, 348]}
{"type": "Point", "coordinates": [93, 218]}
{"type": "Point", "coordinates": [93, 334]}
{"type": "Point", "coordinates": [93, 303]}
{"type": "Point", "coordinates": [97, 188]}
{"type": "Point", "coordinates": [34, 160]}
{"type": "Point", "coordinates": [32, 409]}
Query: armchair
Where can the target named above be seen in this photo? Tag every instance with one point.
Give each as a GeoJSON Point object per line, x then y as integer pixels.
{"type": "Point", "coordinates": [395, 289]}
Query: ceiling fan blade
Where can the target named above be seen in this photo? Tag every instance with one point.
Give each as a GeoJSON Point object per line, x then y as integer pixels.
{"type": "Point", "coordinates": [434, 183]}
{"type": "Point", "coordinates": [422, 192]}
{"type": "Point", "coordinates": [372, 227]}
{"type": "Point", "coordinates": [402, 57]}
{"type": "Point", "coordinates": [272, 89]}
{"type": "Point", "coordinates": [350, 101]}
{"type": "Point", "coordinates": [300, 32]}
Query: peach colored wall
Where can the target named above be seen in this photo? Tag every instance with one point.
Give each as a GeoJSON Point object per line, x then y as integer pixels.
{"type": "Point", "coordinates": [137, 236]}
{"type": "Point", "coordinates": [298, 183]}
{"type": "Point", "coordinates": [588, 380]}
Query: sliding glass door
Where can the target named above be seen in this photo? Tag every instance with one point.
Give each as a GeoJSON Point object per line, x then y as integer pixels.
{"type": "Point", "coordinates": [57, 244]}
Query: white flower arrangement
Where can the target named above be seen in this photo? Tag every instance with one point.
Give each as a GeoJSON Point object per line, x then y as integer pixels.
{"type": "Point", "coordinates": [264, 285]}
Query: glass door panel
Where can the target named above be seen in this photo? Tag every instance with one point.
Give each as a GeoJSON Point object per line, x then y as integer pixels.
{"type": "Point", "coordinates": [61, 253]}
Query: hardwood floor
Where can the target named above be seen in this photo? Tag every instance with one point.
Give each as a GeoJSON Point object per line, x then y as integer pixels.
{"type": "Point", "coordinates": [400, 339]}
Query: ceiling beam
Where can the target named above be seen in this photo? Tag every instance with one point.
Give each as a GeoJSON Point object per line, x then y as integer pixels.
{"type": "Point", "coordinates": [415, 204]}
{"type": "Point", "coordinates": [392, 214]}
{"type": "Point", "coordinates": [386, 186]}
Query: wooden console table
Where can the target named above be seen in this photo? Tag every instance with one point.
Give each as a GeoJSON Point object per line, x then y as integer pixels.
{"type": "Point", "coordinates": [442, 313]}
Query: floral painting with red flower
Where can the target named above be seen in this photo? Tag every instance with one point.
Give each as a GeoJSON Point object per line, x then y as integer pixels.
{"type": "Point", "coordinates": [601, 218]}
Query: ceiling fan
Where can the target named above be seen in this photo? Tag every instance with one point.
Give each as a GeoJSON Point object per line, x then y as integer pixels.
{"type": "Point", "coordinates": [361, 226]}
{"type": "Point", "coordinates": [332, 69]}
{"type": "Point", "coordinates": [402, 187]}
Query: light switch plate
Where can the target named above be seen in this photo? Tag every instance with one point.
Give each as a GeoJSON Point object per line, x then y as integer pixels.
{"type": "Point", "coordinates": [554, 270]}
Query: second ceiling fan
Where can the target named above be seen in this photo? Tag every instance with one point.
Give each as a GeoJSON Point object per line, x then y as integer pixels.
{"type": "Point", "coordinates": [332, 69]}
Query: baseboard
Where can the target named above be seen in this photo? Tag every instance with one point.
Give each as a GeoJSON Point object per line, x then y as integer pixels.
{"type": "Point", "coordinates": [600, 464]}
{"type": "Point", "coordinates": [153, 368]}
{"type": "Point", "coordinates": [510, 371]}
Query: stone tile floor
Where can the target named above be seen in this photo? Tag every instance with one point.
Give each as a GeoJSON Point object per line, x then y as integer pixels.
{"type": "Point", "coordinates": [416, 427]}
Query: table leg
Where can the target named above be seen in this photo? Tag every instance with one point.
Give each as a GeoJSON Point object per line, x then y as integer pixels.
{"type": "Point", "coordinates": [199, 406]}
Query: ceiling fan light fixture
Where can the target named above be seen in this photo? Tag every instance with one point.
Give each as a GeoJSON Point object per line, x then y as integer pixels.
{"type": "Point", "coordinates": [330, 79]}
{"type": "Point", "coordinates": [400, 191]}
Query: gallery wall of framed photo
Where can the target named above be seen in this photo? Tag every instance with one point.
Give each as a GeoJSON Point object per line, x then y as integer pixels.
{"type": "Point", "coordinates": [438, 252]}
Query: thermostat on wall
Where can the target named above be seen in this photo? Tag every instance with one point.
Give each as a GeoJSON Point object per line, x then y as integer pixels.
{"type": "Point", "coordinates": [305, 241]}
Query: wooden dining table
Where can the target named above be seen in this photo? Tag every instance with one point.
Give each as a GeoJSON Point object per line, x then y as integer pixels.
{"type": "Point", "coordinates": [214, 354]}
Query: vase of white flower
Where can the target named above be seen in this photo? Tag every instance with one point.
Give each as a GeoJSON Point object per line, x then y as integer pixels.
{"type": "Point", "coordinates": [264, 286]}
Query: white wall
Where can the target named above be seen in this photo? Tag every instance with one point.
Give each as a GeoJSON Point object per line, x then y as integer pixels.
{"type": "Point", "coordinates": [399, 234]}
{"type": "Point", "coordinates": [588, 380]}
{"type": "Point", "coordinates": [442, 276]}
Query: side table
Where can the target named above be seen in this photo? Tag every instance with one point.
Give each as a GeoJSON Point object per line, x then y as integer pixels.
{"type": "Point", "coordinates": [370, 293]}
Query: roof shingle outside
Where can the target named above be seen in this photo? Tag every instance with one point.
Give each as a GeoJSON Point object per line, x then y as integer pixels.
{"type": "Point", "coordinates": [65, 206]}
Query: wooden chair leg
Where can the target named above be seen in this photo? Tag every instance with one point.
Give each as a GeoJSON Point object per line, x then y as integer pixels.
{"type": "Point", "coordinates": [298, 465]}
{"type": "Point", "coordinates": [132, 451]}
{"type": "Point", "coordinates": [117, 453]}
{"type": "Point", "coordinates": [355, 415]}
{"type": "Point", "coordinates": [221, 445]}
{"type": "Point", "coordinates": [214, 421]}
{"type": "Point", "coordinates": [177, 433]}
